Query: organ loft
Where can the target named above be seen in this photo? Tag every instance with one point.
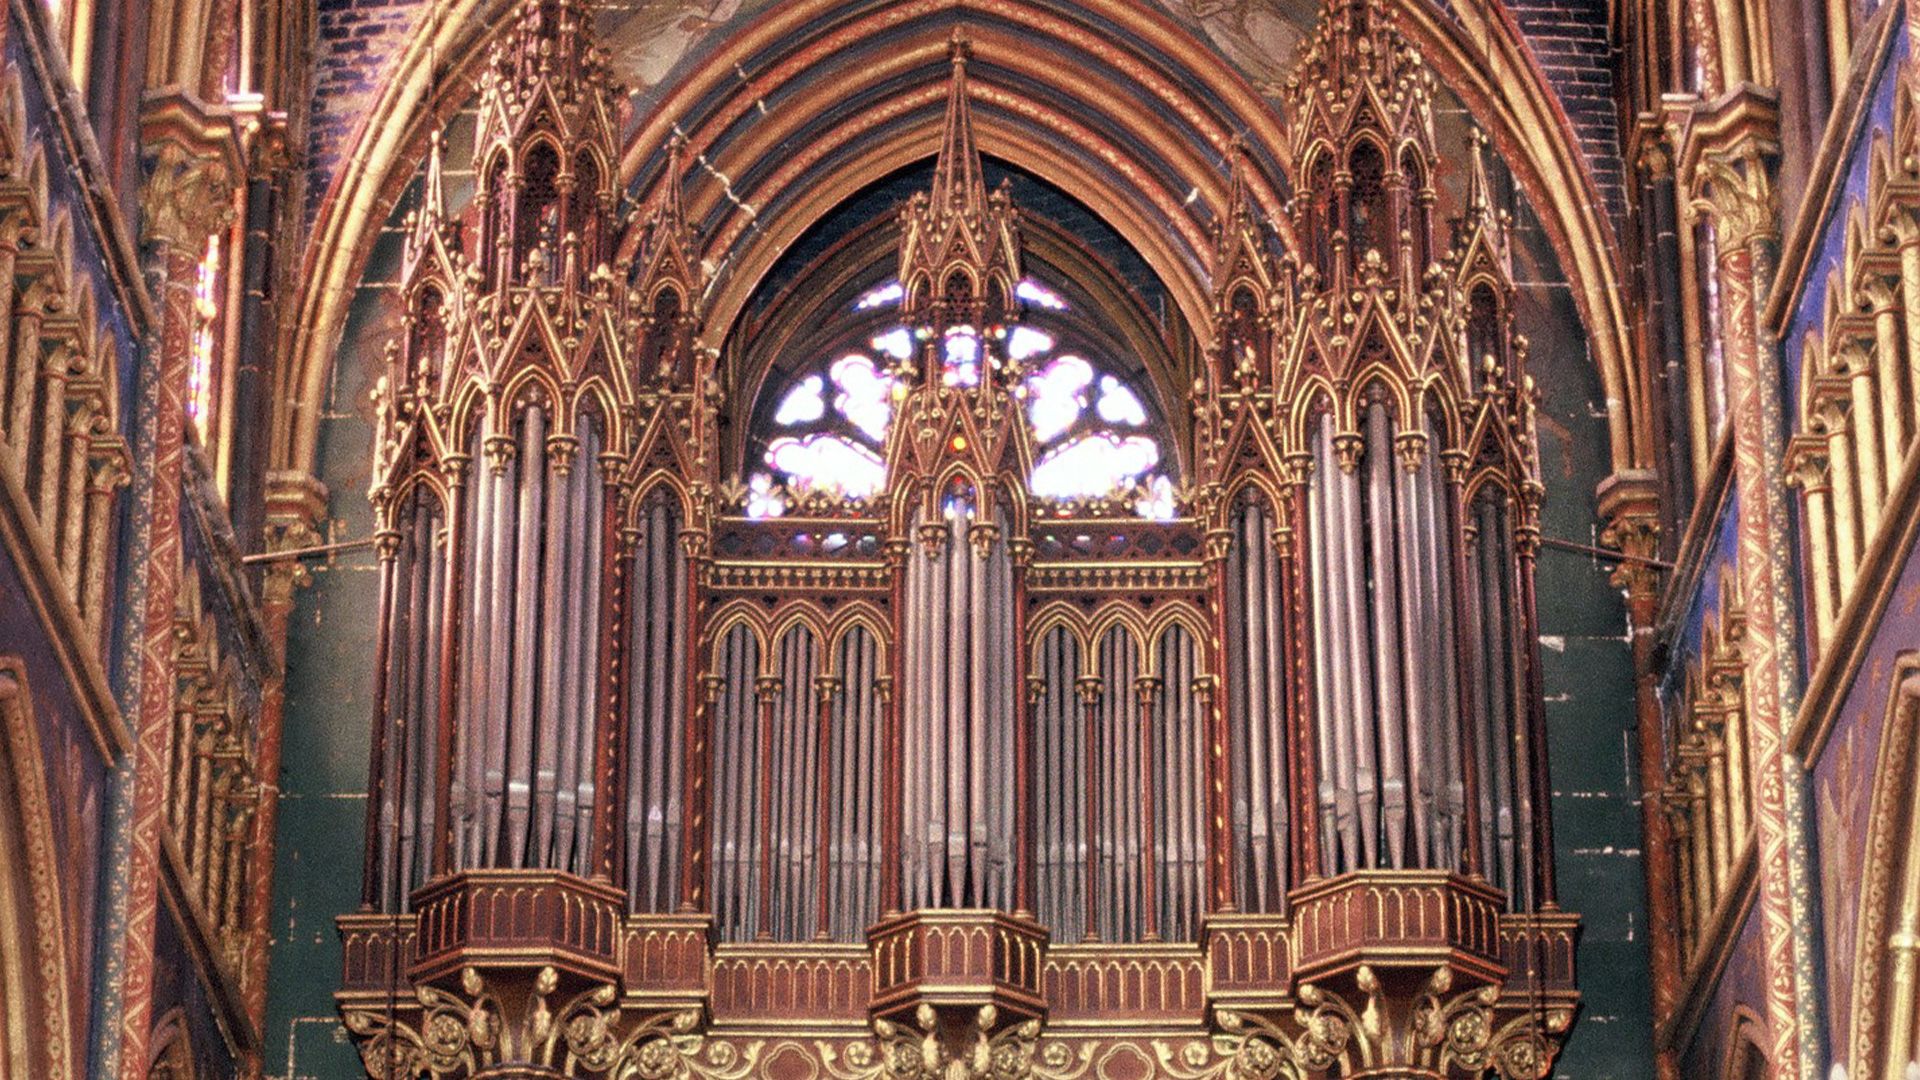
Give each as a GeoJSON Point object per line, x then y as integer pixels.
{"type": "Point", "coordinates": [959, 540]}
{"type": "Point", "coordinates": [955, 688]}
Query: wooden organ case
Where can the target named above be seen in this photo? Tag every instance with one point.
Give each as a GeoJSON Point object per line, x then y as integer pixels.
{"type": "Point", "coordinates": [950, 779]}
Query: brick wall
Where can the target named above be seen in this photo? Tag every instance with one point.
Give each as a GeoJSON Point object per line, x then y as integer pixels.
{"type": "Point", "coordinates": [1570, 39]}
{"type": "Point", "coordinates": [356, 44]}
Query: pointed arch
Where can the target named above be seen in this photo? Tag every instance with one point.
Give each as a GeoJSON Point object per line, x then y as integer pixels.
{"type": "Point", "coordinates": [1480, 53]}
{"type": "Point", "coordinates": [37, 1038]}
{"type": "Point", "coordinates": [1889, 897]}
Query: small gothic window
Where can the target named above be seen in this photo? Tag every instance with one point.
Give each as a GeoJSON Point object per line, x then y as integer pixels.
{"type": "Point", "coordinates": [1419, 216]}
{"type": "Point", "coordinates": [429, 330]}
{"type": "Point", "coordinates": [537, 219]}
{"type": "Point", "coordinates": [583, 215]}
{"type": "Point", "coordinates": [1483, 329]}
{"type": "Point", "coordinates": [1320, 184]}
{"type": "Point", "coordinates": [959, 290]}
{"type": "Point", "coordinates": [1242, 328]}
{"type": "Point", "coordinates": [1369, 220]}
{"type": "Point", "coordinates": [498, 211]}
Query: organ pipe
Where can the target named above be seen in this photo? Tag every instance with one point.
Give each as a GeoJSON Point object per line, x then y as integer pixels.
{"type": "Point", "coordinates": [1258, 683]}
{"type": "Point", "coordinates": [657, 694]}
{"type": "Point", "coordinates": [958, 716]}
{"type": "Point", "coordinates": [1398, 567]}
{"type": "Point", "coordinates": [1353, 688]}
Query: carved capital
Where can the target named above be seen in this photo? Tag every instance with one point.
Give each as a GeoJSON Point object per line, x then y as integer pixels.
{"type": "Point", "coordinates": [1088, 689]}
{"type": "Point", "coordinates": [1146, 688]}
{"type": "Point", "coordinates": [1807, 464]}
{"type": "Point", "coordinates": [1036, 689]}
{"type": "Point", "coordinates": [186, 197]}
{"type": "Point", "coordinates": [1877, 293]}
{"type": "Point", "coordinates": [1422, 1028]}
{"type": "Point", "coordinates": [1733, 191]}
{"type": "Point", "coordinates": [501, 1028]}
{"type": "Point", "coordinates": [982, 535]}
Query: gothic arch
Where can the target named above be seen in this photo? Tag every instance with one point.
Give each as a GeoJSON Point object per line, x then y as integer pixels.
{"type": "Point", "coordinates": [1886, 1017]}
{"type": "Point", "coordinates": [1483, 59]}
{"type": "Point", "coordinates": [36, 1038]}
{"type": "Point", "coordinates": [1746, 1055]}
{"type": "Point", "coordinates": [172, 1053]}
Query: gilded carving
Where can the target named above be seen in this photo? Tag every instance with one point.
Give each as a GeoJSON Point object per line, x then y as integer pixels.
{"type": "Point", "coordinates": [1736, 193]}
{"type": "Point", "coordinates": [478, 1029]}
{"type": "Point", "coordinates": [186, 196]}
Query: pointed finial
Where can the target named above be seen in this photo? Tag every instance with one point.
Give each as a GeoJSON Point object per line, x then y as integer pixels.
{"type": "Point", "coordinates": [959, 47]}
{"type": "Point", "coordinates": [434, 199]}
{"type": "Point", "coordinates": [675, 178]}
{"type": "Point", "coordinates": [1477, 185]}
{"type": "Point", "coordinates": [1239, 198]}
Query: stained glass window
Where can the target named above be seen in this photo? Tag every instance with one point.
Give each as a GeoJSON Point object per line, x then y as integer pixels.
{"type": "Point", "coordinates": [1092, 433]}
{"type": "Point", "coordinates": [203, 345]}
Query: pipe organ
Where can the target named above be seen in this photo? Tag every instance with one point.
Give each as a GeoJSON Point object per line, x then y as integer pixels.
{"type": "Point", "coordinates": [1273, 732]}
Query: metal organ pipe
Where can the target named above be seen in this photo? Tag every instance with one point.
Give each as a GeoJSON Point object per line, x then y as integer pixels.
{"type": "Point", "coordinates": [526, 600]}
{"type": "Point", "coordinates": [657, 701]}
{"type": "Point", "coordinates": [735, 735]}
{"type": "Point", "coordinates": [1255, 710]}
{"type": "Point", "coordinates": [858, 759]}
{"type": "Point", "coordinates": [958, 607]}
{"type": "Point", "coordinates": [789, 816]}
{"type": "Point", "coordinates": [410, 703]}
{"type": "Point", "coordinates": [1500, 807]}
{"type": "Point", "coordinates": [958, 719]}
{"type": "Point", "coordinates": [1178, 761]}
{"type": "Point", "coordinates": [1256, 684]}
{"type": "Point", "coordinates": [1387, 653]}
{"type": "Point", "coordinates": [1363, 732]}
{"type": "Point", "coordinates": [1390, 718]}
{"type": "Point", "coordinates": [1059, 788]}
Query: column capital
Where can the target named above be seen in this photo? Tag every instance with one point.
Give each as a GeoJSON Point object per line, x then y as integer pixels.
{"type": "Point", "coordinates": [1732, 189]}
{"type": "Point", "coordinates": [296, 505]}
{"type": "Point", "coordinates": [191, 154]}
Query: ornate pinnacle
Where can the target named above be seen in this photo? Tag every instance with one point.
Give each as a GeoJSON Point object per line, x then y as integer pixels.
{"type": "Point", "coordinates": [1477, 184]}
{"type": "Point", "coordinates": [957, 181]}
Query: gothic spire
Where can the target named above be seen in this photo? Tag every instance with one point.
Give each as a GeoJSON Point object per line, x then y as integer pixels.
{"type": "Point", "coordinates": [545, 74]}
{"type": "Point", "coordinates": [957, 182]}
{"type": "Point", "coordinates": [666, 253]}
{"type": "Point", "coordinates": [959, 246]}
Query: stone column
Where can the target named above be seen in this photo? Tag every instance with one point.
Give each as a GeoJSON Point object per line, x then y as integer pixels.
{"type": "Point", "coordinates": [187, 194]}
{"type": "Point", "coordinates": [296, 503]}
{"type": "Point", "coordinates": [1629, 503]}
{"type": "Point", "coordinates": [1732, 187]}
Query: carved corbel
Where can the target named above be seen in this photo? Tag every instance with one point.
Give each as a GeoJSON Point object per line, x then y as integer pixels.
{"type": "Point", "coordinates": [483, 1030]}
{"type": "Point", "coordinates": [296, 504]}
{"type": "Point", "coordinates": [1630, 506]}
